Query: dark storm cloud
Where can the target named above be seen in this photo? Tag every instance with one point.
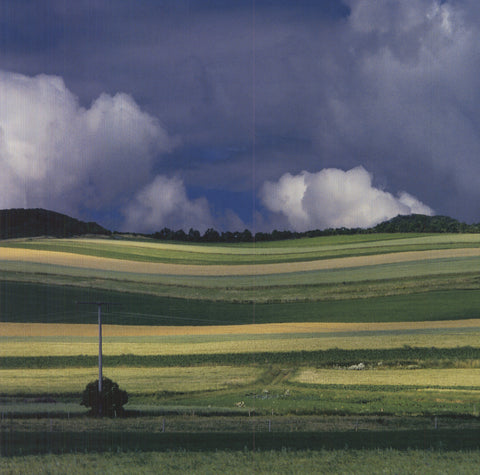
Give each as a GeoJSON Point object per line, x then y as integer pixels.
{"type": "Point", "coordinates": [250, 91]}
{"type": "Point", "coordinates": [57, 154]}
{"type": "Point", "coordinates": [413, 115]}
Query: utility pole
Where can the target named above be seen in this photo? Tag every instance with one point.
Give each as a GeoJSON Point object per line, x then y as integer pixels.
{"type": "Point", "coordinates": [100, 365]}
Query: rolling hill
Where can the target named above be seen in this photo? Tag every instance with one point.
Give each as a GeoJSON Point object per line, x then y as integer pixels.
{"type": "Point", "coordinates": [19, 223]}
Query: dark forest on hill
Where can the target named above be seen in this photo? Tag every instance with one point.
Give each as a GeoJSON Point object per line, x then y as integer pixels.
{"type": "Point", "coordinates": [18, 223]}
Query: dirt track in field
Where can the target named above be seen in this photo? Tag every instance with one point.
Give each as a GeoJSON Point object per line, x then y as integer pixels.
{"type": "Point", "coordinates": [100, 263]}
{"type": "Point", "coordinates": [50, 329]}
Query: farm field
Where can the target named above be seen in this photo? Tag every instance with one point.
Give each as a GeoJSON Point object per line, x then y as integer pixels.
{"type": "Point", "coordinates": [307, 249]}
{"type": "Point", "coordinates": [367, 341]}
{"type": "Point", "coordinates": [383, 273]}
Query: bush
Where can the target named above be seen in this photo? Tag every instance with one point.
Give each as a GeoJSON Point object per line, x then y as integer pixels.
{"type": "Point", "coordinates": [107, 403]}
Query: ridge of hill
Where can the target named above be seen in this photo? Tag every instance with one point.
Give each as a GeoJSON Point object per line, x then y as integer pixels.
{"type": "Point", "coordinates": [420, 223]}
{"type": "Point", "coordinates": [20, 223]}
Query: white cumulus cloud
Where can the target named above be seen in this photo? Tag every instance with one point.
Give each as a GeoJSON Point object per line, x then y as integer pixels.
{"type": "Point", "coordinates": [56, 154]}
{"type": "Point", "coordinates": [164, 203]}
{"type": "Point", "coordinates": [335, 198]}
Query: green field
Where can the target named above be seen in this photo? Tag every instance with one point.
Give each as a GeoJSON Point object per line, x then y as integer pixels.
{"type": "Point", "coordinates": [295, 399]}
{"type": "Point", "coordinates": [57, 304]}
{"type": "Point", "coordinates": [246, 461]}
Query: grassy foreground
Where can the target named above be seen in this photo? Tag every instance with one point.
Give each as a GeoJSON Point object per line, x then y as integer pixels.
{"type": "Point", "coordinates": [246, 462]}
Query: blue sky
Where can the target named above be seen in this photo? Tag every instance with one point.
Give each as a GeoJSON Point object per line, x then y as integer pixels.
{"type": "Point", "coordinates": [232, 114]}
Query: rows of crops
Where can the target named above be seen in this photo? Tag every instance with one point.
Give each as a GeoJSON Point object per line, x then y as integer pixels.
{"type": "Point", "coordinates": [289, 251]}
{"type": "Point", "coordinates": [423, 272]}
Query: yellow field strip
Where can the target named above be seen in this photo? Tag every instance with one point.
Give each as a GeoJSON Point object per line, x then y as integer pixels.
{"type": "Point", "coordinates": [91, 330]}
{"type": "Point", "coordinates": [118, 265]}
{"type": "Point", "coordinates": [60, 380]}
{"type": "Point", "coordinates": [406, 377]}
{"type": "Point", "coordinates": [115, 346]}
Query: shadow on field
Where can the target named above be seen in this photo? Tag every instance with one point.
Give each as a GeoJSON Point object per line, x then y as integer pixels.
{"type": "Point", "coordinates": [26, 443]}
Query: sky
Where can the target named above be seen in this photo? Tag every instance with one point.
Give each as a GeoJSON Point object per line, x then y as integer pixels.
{"type": "Point", "coordinates": [235, 114]}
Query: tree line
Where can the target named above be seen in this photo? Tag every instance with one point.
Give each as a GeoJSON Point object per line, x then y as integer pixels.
{"type": "Point", "coordinates": [212, 235]}
{"type": "Point", "coordinates": [415, 223]}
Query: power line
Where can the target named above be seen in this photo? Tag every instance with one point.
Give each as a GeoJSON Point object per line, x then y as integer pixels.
{"type": "Point", "coordinates": [147, 316]}
{"type": "Point", "coordinates": [60, 317]}
{"type": "Point", "coordinates": [73, 315]}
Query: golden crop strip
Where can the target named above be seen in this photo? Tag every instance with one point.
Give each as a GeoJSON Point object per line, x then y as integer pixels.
{"type": "Point", "coordinates": [118, 265]}
{"type": "Point", "coordinates": [391, 377]}
{"type": "Point", "coordinates": [8, 329]}
{"type": "Point", "coordinates": [151, 380]}
{"type": "Point", "coordinates": [224, 344]}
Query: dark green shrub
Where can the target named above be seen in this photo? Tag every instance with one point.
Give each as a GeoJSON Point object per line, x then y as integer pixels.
{"type": "Point", "coordinates": [107, 403]}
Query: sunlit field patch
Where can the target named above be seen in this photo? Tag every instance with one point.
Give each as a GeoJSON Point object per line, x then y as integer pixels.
{"type": "Point", "coordinates": [145, 381]}
{"type": "Point", "coordinates": [391, 377]}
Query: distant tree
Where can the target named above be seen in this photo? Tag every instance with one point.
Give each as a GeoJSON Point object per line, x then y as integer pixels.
{"type": "Point", "coordinates": [165, 234]}
{"type": "Point", "coordinates": [180, 235]}
{"type": "Point", "coordinates": [211, 235]}
{"type": "Point", "coordinates": [227, 236]}
{"type": "Point", "coordinates": [281, 235]}
{"type": "Point", "coordinates": [193, 235]}
{"type": "Point", "coordinates": [259, 237]}
{"type": "Point", "coordinates": [246, 236]}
